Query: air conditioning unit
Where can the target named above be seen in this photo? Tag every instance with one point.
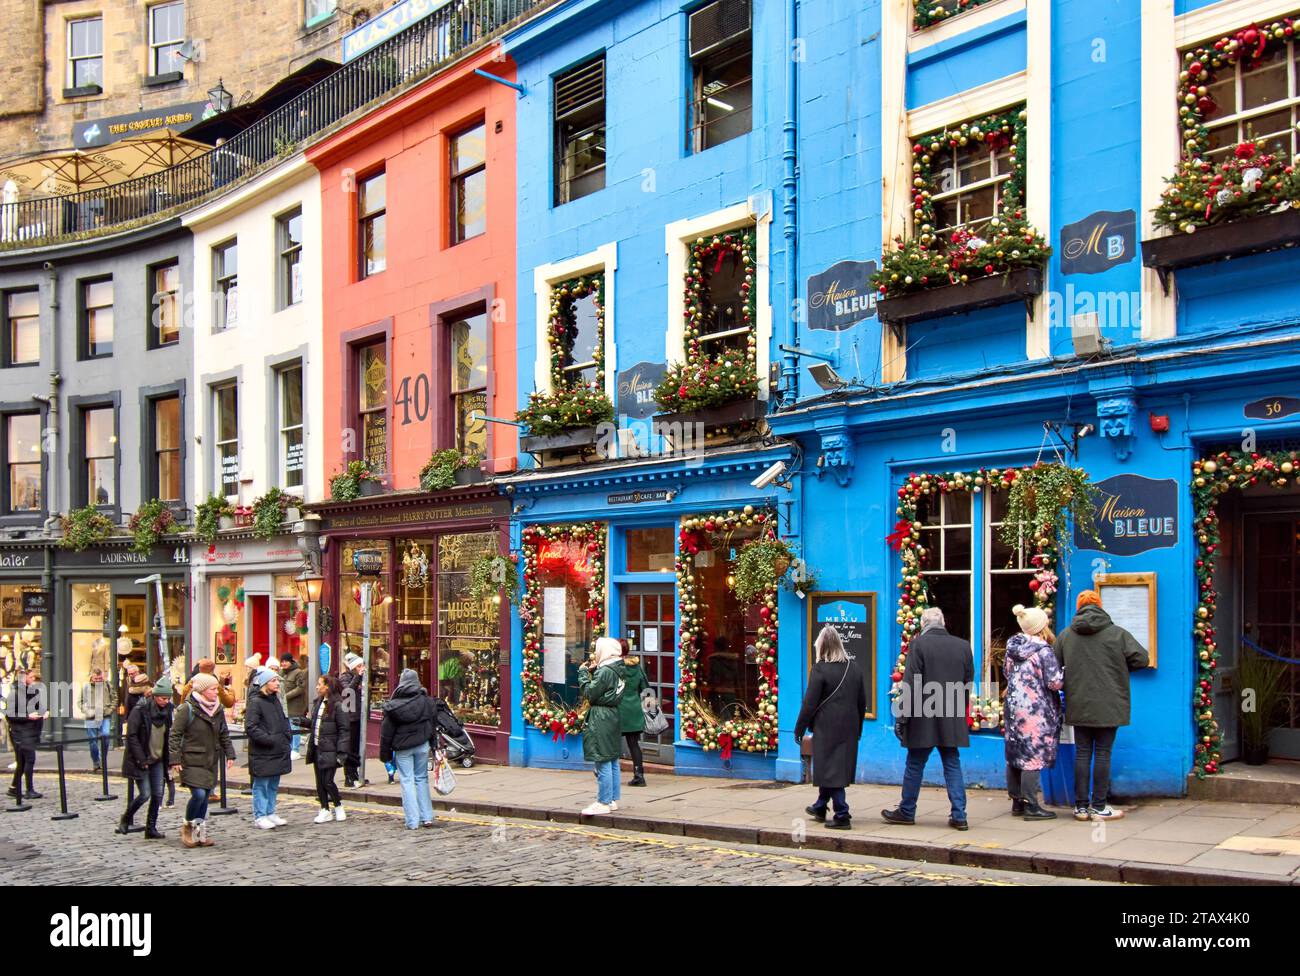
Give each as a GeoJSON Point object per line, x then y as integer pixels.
{"type": "Point", "coordinates": [719, 23]}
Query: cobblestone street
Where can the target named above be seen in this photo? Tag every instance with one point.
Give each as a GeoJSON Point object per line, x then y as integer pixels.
{"type": "Point", "coordinates": [372, 847]}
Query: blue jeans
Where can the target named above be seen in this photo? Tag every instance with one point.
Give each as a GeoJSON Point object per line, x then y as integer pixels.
{"type": "Point", "coordinates": [297, 741]}
{"type": "Point", "coordinates": [916, 760]}
{"type": "Point", "coordinates": [264, 795]}
{"type": "Point", "coordinates": [197, 808]}
{"type": "Point", "coordinates": [608, 787]}
{"type": "Point", "coordinates": [417, 804]}
{"type": "Point", "coordinates": [827, 795]}
{"type": "Point", "coordinates": [149, 789]}
{"type": "Point", "coordinates": [96, 731]}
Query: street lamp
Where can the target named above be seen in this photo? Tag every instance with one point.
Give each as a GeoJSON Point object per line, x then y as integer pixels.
{"type": "Point", "coordinates": [309, 586]}
{"type": "Point", "coordinates": [220, 99]}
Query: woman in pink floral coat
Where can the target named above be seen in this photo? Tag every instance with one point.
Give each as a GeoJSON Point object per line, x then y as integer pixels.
{"type": "Point", "coordinates": [1031, 710]}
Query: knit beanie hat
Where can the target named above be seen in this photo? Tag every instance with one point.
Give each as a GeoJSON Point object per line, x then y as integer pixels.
{"type": "Point", "coordinates": [253, 662]}
{"type": "Point", "coordinates": [163, 687]}
{"type": "Point", "coordinates": [351, 661]}
{"type": "Point", "coordinates": [262, 676]}
{"type": "Point", "coordinates": [1032, 620]}
{"type": "Point", "coordinates": [202, 682]}
{"type": "Point", "coordinates": [1087, 598]}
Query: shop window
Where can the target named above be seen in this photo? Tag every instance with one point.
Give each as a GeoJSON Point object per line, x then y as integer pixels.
{"type": "Point", "coordinates": [468, 338]}
{"type": "Point", "coordinates": [580, 131]}
{"type": "Point", "coordinates": [1007, 584]}
{"type": "Point", "coordinates": [372, 405]}
{"type": "Point", "coordinates": [721, 51]}
{"type": "Point", "coordinates": [165, 470]}
{"type": "Point", "coordinates": [176, 599]}
{"type": "Point", "coordinates": [350, 617]}
{"type": "Point", "coordinates": [290, 622]}
{"type": "Point", "coordinates": [649, 550]}
{"type": "Point", "coordinates": [166, 35]}
{"type": "Point", "coordinates": [225, 290]}
{"type": "Point", "coordinates": [578, 328]}
{"type": "Point", "coordinates": [291, 460]}
{"type": "Point", "coordinates": [288, 234]}
{"type": "Point", "coordinates": [413, 599]}
{"type": "Point", "coordinates": [563, 575]}
{"type": "Point", "coordinates": [22, 328]}
{"type": "Point", "coordinates": [1254, 99]}
{"type": "Point", "coordinates": [96, 315]}
{"type": "Point", "coordinates": [469, 184]}
{"type": "Point", "coordinates": [93, 642]}
{"type": "Point", "coordinates": [164, 303]}
{"type": "Point", "coordinates": [99, 444]}
{"type": "Point", "coordinates": [946, 534]}
{"type": "Point", "coordinates": [372, 225]}
{"type": "Point", "coordinates": [225, 459]}
{"type": "Point", "coordinates": [469, 646]}
{"type": "Point", "coordinates": [24, 463]}
{"type": "Point", "coordinates": [226, 616]}
{"type": "Point", "coordinates": [86, 53]}
{"type": "Point", "coordinates": [20, 636]}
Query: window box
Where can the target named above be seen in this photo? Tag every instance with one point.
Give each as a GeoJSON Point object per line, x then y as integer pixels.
{"type": "Point", "coordinates": [736, 412]}
{"type": "Point", "coordinates": [82, 91]}
{"type": "Point", "coordinates": [1023, 284]}
{"type": "Point", "coordinates": [1253, 235]}
{"type": "Point", "coordinates": [166, 78]}
{"type": "Point", "coordinates": [370, 487]}
{"type": "Point", "coordinates": [577, 440]}
{"type": "Point", "coordinates": [472, 475]}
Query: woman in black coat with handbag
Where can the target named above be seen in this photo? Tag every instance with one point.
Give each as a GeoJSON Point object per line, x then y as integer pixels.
{"type": "Point", "coordinates": [329, 733]}
{"type": "Point", "coordinates": [833, 709]}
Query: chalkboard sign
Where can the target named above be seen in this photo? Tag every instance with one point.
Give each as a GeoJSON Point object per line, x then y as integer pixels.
{"type": "Point", "coordinates": [854, 616]}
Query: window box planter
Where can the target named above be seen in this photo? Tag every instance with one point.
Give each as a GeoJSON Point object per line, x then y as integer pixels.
{"type": "Point", "coordinates": [226, 522]}
{"type": "Point", "coordinates": [1023, 284]}
{"type": "Point", "coordinates": [1253, 235]}
{"type": "Point", "coordinates": [292, 514]}
{"type": "Point", "coordinates": [471, 476]}
{"type": "Point", "coordinates": [726, 415]}
{"type": "Point", "coordinates": [83, 91]}
{"type": "Point", "coordinates": [569, 441]}
{"type": "Point", "coordinates": [370, 487]}
{"type": "Point", "coordinates": [166, 78]}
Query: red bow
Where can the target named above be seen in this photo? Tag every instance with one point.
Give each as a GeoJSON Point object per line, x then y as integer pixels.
{"type": "Point", "coordinates": [557, 729]}
{"type": "Point", "coordinates": [724, 745]}
{"type": "Point", "coordinates": [902, 529]}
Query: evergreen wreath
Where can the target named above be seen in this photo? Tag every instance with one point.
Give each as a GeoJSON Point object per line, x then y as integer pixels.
{"type": "Point", "coordinates": [539, 711]}
{"type": "Point", "coordinates": [756, 731]}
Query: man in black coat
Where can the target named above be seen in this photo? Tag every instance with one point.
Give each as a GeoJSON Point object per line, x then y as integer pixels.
{"type": "Point", "coordinates": [146, 756]}
{"type": "Point", "coordinates": [931, 713]}
{"type": "Point", "coordinates": [25, 713]}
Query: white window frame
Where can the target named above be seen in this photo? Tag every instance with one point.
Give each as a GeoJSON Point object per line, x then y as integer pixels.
{"type": "Point", "coordinates": [282, 430]}
{"type": "Point", "coordinates": [1023, 567]}
{"type": "Point", "coordinates": [604, 261]}
{"type": "Point", "coordinates": [73, 59]}
{"type": "Point", "coordinates": [223, 284]}
{"type": "Point", "coordinates": [966, 190]}
{"type": "Point", "coordinates": [311, 20]}
{"type": "Point", "coordinates": [217, 443]}
{"type": "Point", "coordinates": [939, 530]}
{"type": "Point", "coordinates": [1240, 120]}
{"type": "Point", "coordinates": [155, 43]}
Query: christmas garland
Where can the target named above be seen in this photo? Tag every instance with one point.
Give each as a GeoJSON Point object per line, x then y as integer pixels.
{"type": "Point", "coordinates": [538, 709]}
{"type": "Point", "coordinates": [930, 12]}
{"type": "Point", "coordinates": [928, 260]}
{"type": "Point", "coordinates": [1211, 478]}
{"type": "Point", "coordinates": [754, 734]}
{"type": "Point", "coordinates": [914, 595]}
{"type": "Point", "coordinates": [701, 381]}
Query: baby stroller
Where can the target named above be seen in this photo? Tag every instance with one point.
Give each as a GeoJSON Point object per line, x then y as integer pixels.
{"type": "Point", "coordinates": [451, 737]}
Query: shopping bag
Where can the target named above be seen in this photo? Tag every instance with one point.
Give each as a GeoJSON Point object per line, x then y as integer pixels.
{"type": "Point", "coordinates": [444, 780]}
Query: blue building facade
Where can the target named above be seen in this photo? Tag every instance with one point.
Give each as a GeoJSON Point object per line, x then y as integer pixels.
{"type": "Point", "coordinates": [1162, 371]}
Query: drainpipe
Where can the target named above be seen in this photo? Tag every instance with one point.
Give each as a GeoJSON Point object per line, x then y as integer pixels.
{"type": "Point", "coordinates": [790, 211]}
{"type": "Point", "coordinates": [50, 440]}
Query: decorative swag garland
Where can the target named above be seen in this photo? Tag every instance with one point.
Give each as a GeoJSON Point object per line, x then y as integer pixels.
{"type": "Point", "coordinates": [930, 12]}
{"type": "Point", "coordinates": [701, 382]}
{"type": "Point", "coordinates": [1211, 478]}
{"type": "Point", "coordinates": [753, 734]}
{"type": "Point", "coordinates": [914, 596]}
{"type": "Point", "coordinates": [1252, 181]}
{"type": "Point", "coordinates": [556, 718]}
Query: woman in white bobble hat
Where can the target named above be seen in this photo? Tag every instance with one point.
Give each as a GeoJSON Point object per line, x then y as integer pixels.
{"type": "Point", "coordinates": [1031, 710]}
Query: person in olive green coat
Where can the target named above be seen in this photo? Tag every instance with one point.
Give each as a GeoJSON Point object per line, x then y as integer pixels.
{"type": "Point", "coordinates": [631, 713]}
{"type": "Point", "coordinates": [601, 684]}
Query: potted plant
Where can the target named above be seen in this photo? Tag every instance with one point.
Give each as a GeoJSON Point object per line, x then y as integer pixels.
{"type": "Point", "coordinates": [564, 419]}
{"type": "Point", "coordinates": [150, 523]}
{"type": "Point", "coordinates": [85, 527]}
{"type": "Point", "coordinates": [269, 512]}
{"type": "Point", "coordinates": [210, 516]}
{"type": "Point", "coordinates": [1261, 683]}
{"type": "Point", "coordinates": [492, 574]}
{"type": "Point", "coordinates": [715, 393]}
{"type": "Point", "coordinates": [759, 567]}
{"type": "Point", "coordinates": [1043, 500]}
{"type": "Point", "coordinates": [448, 468]}
{"type": "Point", "coordinates": [354, 481]}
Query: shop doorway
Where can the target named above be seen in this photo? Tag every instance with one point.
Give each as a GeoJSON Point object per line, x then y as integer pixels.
{"type": "Point", "coordinates": [649, 625]}
{"type": "Point", "coordinates": [1269, 600]}
{"type": "Point", "coordinates": [131, 624]}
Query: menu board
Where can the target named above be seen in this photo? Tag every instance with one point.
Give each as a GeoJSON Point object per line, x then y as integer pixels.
{"type": "Point", "coordinates": [853, 615]}
{"type": "Point", "coordinates": [1130, 600]}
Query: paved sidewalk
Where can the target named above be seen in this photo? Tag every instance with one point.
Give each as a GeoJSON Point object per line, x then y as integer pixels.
{"type": "Point", "coordinates": [1160, 841]}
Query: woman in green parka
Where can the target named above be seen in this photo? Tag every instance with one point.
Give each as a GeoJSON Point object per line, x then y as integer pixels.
{"type": "Point", "coordinates": [601, 685]}
{"type": "Point", "coordinates": [631, 712]}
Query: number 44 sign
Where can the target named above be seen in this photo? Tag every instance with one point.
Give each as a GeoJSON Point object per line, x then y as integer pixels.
{"type": "Point", "coordinates": [1271, 408]}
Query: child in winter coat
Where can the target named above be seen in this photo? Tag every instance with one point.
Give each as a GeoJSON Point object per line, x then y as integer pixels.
{"type": "Point", "coordinates": [1031, 710]}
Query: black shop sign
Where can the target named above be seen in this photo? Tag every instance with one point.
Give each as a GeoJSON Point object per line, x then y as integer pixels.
{"type": "Point", "coordinates": [841, 296]}
{"type": "Point", "coordinates": [636, 390]}
{"type": "Point", "coordinates": [37, 603]}
{"type": "Point", "coordinates": [1099, 242]}
{"type": "Point", "coordinates": [853, 615]}
{"type": "Point", "coordinates": [1134, 515]}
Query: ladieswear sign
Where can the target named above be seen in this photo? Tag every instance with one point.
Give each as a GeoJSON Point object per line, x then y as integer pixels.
{"type": "Point", "coordinates": [1134, 515]}
{"type": "Point", "coordinates": [841, 296]}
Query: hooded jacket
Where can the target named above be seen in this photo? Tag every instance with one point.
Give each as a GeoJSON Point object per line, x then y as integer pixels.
{"type": "Point", "coordinates": [1031, 711]}
{"type": "Point", "coordinates": [269, 736]}
{"type": "Point", "coordinates": [293, 689]}
{"type": "Point", "coordinates": [199, 742]}
{"type": "Point", "coordinates": [602, 688]}
{"type": "Point", "coordinates": [634, 682]}
{"type": "Point", "coordinates": [408, 718]}
{"type": "Point", "coordinates": [1097, 656]}
{"type": "Point", "coordinates": [328, 733]}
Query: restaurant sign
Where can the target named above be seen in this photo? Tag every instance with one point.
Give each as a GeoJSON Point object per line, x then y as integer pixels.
{"type": "Point", "coordinates": [391, 22]}
{"type": "Point", "coordinates": [1134, 515]}
{"type": "Point", "coordinates": [91, 133]}
{"type": "Point", "coordinates": [636, 389]}
{"type": "Point", "coordinates": [841, 296]}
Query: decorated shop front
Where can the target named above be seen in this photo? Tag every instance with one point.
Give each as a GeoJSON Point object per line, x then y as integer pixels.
{"type": "Point", "coordinates": [434, 562]}
{"type": "Point", "coordinates": [25, 604]}
{"type": "Point", "coordinates": [676, 560]}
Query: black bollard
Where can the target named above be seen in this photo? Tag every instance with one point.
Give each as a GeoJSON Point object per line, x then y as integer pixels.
{"type": "Point", "coordinates": [222, 810]}
{"type": "Point", "coordinates": [18, 806]}
{"type": "Point", "coordinates": [63, 789]}
{"type": "Point", "coordinates": [103, 768]}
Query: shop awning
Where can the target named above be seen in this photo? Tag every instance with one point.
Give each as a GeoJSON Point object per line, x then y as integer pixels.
{"type": "Point", "coordinates": [240, 117]}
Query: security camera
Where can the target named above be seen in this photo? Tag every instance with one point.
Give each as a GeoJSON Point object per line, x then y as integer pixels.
{"type": "Point", "coordinates": [769, 476]}
{"type": "Point", "coordinates": [1086, 429]}
{"type": "Point", "coordinates": [48, 265]}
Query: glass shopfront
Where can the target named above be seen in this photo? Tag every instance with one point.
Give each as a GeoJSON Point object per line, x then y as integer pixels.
{"type": "Point", "coordinates": [728, 664]}
{"type": "Point", "coordinates": [20, 635]}
{"type": "Point", "coordinates": [564, 574]}
{"type": "Point", "coordinates": [246, 623]}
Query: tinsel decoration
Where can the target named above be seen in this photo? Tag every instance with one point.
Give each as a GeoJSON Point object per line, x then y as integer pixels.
{"type": "Point", "coordinates": [753, 734]}
{"type": "Point", "coordinates": [556, 718]}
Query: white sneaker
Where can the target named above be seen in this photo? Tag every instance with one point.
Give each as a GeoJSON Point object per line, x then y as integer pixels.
{"type": "Point", "coordinates": [264, 823]}
{"type": "Point", "coordinates": [276, 819]}
{"type": "Point", "coordinates": [595, 809]}
{"type": "Point", "coordinates": [339, 815]}
{"type": "Point", "coordinates": [324, 816]}
{"type": "Point", "coordinates": [613, 807]}
{"type": "Point", "coordinates": [1107, 812]}
{"type": "Point", "coordinates": [12, 766]}
{"type": "Point", "coordinates": [294, 755]}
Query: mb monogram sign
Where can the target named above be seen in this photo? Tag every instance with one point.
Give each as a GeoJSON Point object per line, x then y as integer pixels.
{"type": "Point", "coordinates": [1134, 515]}
{"type": "Point", "coordinates": [1098, 242]}
{"type": "Point", "coordinates": [841, 296]}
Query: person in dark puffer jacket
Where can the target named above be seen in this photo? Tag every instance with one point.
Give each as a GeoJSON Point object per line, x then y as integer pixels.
{"type": "Point", "coordinates": [145, 756]}
{"type": "Point", "coordinates": [1097, 656]}
{"type": "Point", "coordinates": [404, 739]}
{"type": "Point", "coordinates": [269, 735]}
{"type": "Point", "coordinates": [328, 735]}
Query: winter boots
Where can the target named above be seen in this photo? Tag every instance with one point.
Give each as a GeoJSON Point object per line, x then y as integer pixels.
{"type": "Point", "coordinates": [201, 834]}
{"type": "Point", "coordinates": [187, 835]}
{"type": "Point", "coordinates": [1034, 812]}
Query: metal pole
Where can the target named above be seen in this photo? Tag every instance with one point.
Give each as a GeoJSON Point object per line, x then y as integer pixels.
{"type": "Point", "coordinates": [223, 810]}
{"type": "Point", "coordinates": [63, 789]}
{"type": "Point", "coordinates": [367, 594]}
{"type": "Point", "coordinates": [103, 768]}
{"type": "Point", "coordinates": [162, 626]}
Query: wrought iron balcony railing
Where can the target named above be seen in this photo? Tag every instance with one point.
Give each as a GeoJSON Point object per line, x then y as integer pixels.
{"type": "Point", "coordinates": [453, 30]}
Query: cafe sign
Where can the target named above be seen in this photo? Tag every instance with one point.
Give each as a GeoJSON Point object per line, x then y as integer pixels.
{"type": "Point", "coordinates": [841, 296]}
{"type": "Point", "coordinates": [636, 389]}
{"type": "Point", "coordinates": [1134, 515]}
{"type": "Point", "coordinates": [1099, 242]}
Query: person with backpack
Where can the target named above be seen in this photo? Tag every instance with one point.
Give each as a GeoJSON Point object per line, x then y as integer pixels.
{"type": "Point", "coordinates": [404, 739]}
{"type": "Point", "coordinates": [327, 741]}
{"type": "Point", "coordinates": [269, 736]}
{"type": "Point", "coordinates": [600, 683]}
{"type": "Point", "coordinates": [199, 740]}
{"type": "Point", "coordinates": [1098, 656]}
{"type": "Point", "coordinates": [145, 756]}
{"type": "Point", "coordinates": [833, 709]}
{"type": "Point", "coordinates": [630, 711]}
{"type": "Point", "coordinates": [1031, 710]}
